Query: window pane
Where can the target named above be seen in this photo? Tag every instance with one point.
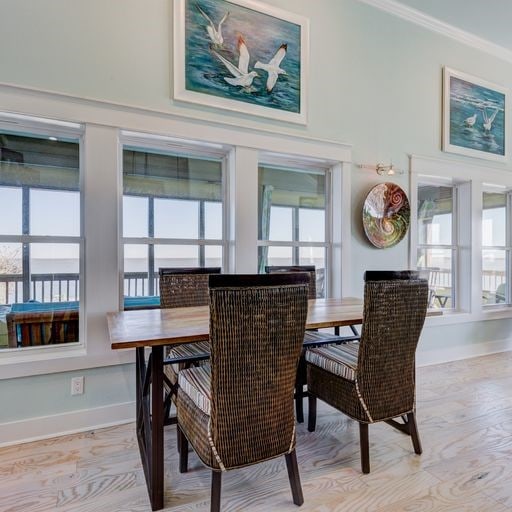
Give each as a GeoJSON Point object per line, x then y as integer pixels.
{"type": "Point", "coordinates": [176, 219]}
{"type": "Point", "coordinates": [315, 256]}
{"type": "Point", "coordinates": [289, 189]}
{"type": "Point", "coordinates": [494, 263]}
{"type": "Point", "coordinates": [435, 213]}
{"type": "Point", "coordinates": [274, 256]}
{"type": "Point", "coordinates": [281, 224]}
{"type": "Point", "coordinates": [54, 213]}
{"type": "Point", "coordinates": [213, 256]}
{"type": "Point", "coordinates": [176, 256]}
{"type": "Point", "coordinates": [311, 225]}
{"type": "Point", "coordinates": [39, 282]}
{"type": "Point", "coordinates": [437, 268]}
{"type": "Point", "coordinates": [136, 270]}
{"type": "Point", "coordinates": [494, 224]}
{"type": "Point", "coordinates": [212, 221]}
{"type": "Point", "coordinates": [10, 211]}
{"type": "Point", "coordinates": [135, 216]}
{"type": "Point", "coordinates": [54, 272]}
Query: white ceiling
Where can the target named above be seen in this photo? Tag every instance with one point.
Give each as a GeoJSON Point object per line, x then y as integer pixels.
{"type": "Point", "coordinates": [488, 19]}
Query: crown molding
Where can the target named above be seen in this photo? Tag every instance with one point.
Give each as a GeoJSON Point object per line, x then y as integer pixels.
{"type": "Point", "coordinates": [435, 25]}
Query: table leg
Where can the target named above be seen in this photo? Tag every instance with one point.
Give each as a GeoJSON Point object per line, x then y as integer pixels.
{"type": "Point", "coordinates": [150, 422]}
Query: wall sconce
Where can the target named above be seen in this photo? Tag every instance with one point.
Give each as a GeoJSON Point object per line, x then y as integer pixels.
{"type": "Point", "coordinates": [382, 169]}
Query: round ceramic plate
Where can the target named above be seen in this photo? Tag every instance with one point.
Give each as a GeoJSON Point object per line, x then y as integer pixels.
{"type": "Point", "coordinates": [386, 215]}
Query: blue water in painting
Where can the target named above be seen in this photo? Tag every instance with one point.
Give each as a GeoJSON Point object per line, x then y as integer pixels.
{"type": "Point", "coordinates": [468, 99]}
{"type": "Point", "coordinates": [263, 35]}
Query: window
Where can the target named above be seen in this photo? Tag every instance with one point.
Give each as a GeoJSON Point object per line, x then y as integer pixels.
{"type": "Point", "coordinates": [292, 219]}
{"type": "Point", "coordinates": [495, 248]}
{"type": "Point", "coordinates": [172, 216]}
{"type": "Point", "coordinates": [437, 242]}
{"type": "Point", "coordinates": [40, 240]}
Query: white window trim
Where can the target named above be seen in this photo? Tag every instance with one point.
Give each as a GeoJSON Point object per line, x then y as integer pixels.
{"type": "Point", "coordinates": [105, 123]}
{"type": "Point", "coordinates": [476, 177]}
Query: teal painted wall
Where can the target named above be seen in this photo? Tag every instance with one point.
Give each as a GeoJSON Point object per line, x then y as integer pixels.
{"type": "Point", "coordinates": [375, 82]}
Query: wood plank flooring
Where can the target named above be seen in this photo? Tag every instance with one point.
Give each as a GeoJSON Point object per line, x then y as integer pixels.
{"type": "Point", "coordinates": [465, 423]}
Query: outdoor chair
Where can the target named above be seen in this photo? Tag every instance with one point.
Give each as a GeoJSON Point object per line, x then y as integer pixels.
{"type": "Point", "coordinates": [238, 410]}
{"type": "Point", "coordinates": [183, 287]}
{"type": "Point", "coordinates": [311, 338]}
{"type": "Point", "coordinates": [374, 380]}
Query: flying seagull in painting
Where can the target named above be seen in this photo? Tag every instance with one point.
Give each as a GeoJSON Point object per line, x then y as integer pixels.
{"type": "Point", "coordinates": [489, 120]}
{"type": "Point", "coordinates": [215, 33]}
{"type": "Point", "coordinates": [470, 121]}
{"type": "Point", "coordinates": [242, 77]}
{"type": "Point", "coordinates": [272, 67]}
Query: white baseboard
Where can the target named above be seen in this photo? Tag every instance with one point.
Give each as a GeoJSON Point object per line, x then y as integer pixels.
{"type": "Point", "coordinates": [44, 427]}
{"type": "Point", "coordinates": [458, 352]}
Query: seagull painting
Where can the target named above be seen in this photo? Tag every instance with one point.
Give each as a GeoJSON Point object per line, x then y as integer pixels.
{"type": "Point", "coordinates": [242, 77]}
{"type": "Point", "coordinates": [272, 67]}
{"type": "Point", "coordinates": [489, 120]}
{"type": "Point", "coordinates": [470, 121]}
{"type": "Point", "coordinates": [215, 33]}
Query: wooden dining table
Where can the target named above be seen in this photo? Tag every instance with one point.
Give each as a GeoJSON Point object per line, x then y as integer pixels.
{"type": "Point", "coordinates": [156, 328]}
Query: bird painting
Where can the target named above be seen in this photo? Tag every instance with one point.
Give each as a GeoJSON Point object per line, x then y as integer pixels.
{"type": "Point", "coordinates": [272, 67]}
{"type": "Point", "coordinates": [470, 121]}
{"type": "Point", "coordinates": [489, 120]}
{"type": "Point", "coordinates": [242, 76]}
{"type": "Point", "coordinates": [215, 33]}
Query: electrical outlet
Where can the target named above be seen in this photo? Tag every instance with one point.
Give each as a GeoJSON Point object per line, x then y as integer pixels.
{"type": "Point", "coordinates": [77, 385]}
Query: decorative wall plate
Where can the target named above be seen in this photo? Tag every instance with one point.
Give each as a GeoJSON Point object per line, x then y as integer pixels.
{"type": "Point", "coordinates": [386, 215]}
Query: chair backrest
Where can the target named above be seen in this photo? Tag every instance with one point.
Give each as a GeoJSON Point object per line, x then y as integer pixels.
{"type": "Point", "coordinates": [184, 287]}
{"type": "Point", "coordinates": [257, 327]}
{"type": "Point", "coordinates": [297, 268]}
{"type": "Point", "coordinates": [395, 305]}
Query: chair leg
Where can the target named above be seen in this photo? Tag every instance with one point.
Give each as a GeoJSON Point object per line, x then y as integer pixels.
{"type": "Point", "coordinates": [294, 477]}
{"type": "Point", "coordinates": [299, 406]}
{"type": "Point", "coordinates": [311, 413]}
{"type": "Point", "coordinates": [365, 447]}
{"type": "Point", "coordinates": [183, 450]}
{"type": "Point", "coordinates": [413, 429]}
{"type": "Point", "coordinates": [216, 486]}
{"type": "Point", "coordinates": [300, 381]}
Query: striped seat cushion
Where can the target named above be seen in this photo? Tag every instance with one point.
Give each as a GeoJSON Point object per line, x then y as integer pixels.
{"type": "Point", "coordinates": [189, 350]}
{"type": "Point", "coordinates": [312, 337]}
{"type": "Point", "coordinates": [340, 360]}
{"type": "Point", "coordinates": [195, 382]}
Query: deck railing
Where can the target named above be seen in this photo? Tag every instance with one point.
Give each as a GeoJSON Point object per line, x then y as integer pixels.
{"type": "Point", "coordinates": [65, 287]}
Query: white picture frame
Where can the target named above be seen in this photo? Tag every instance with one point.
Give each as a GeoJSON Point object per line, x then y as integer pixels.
{"type": "Point", "coordinates": [475, 117]}
{"type": "Point", "coordinates": [217, 45]}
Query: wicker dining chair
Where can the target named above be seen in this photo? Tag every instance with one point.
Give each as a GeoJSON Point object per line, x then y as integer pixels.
{"type": "Point", "coordinates": [238, 410]}
{"type": "Point", "coordinates": [374, 380]}
{"type": "Point", "coordinates": [183, 287]}
{"type": "Point", "coordinates": [311, 338]}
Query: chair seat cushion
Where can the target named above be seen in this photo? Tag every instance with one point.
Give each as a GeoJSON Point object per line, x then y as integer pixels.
{"type": "Point", "coordinates": [319, 337]}
{"type": "Point", "coordinates": [196, 383]}
{"type": "Point", "coordinates": [339, 360]}
{"type": "Point", "coordinates": [188, 350]}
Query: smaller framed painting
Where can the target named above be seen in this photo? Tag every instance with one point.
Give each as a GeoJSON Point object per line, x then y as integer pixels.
{"type": "Point", "coordinates": [241, 55]}
{"type": "Point", "coordinates": [475, 116]}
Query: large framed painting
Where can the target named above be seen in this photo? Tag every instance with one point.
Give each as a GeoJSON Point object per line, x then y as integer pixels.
{"type": "Point", "coordinates": [475, 116]}
{"type": "Point", "coordinates": [241, 55]}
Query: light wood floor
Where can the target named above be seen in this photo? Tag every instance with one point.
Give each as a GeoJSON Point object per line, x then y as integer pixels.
{"type": "Point", "coordinates": [465, 422]}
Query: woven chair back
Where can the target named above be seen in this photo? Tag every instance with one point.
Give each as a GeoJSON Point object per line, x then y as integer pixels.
{"type": "Point", "coordinates": [297, 268]}
{"type": "Point", "coordinates": [257, 327]}
{"type": "Point", "coordinates": [395, 305]}
{"type": "Point", "coordinates": [185, 287]}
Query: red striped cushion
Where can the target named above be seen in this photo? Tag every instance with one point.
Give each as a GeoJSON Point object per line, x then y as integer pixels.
{"type": "Point", "coordinates": [338, 359]}
{"type": "Point", "coordinates": [195, 382]}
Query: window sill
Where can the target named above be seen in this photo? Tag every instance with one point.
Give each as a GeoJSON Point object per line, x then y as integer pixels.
{"type": "Point", "coordinates": [44, 360]}
{"type": "Point", "coordinates": [449, 318]}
